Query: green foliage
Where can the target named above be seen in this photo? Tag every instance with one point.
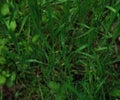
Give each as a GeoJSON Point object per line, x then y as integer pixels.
{"type": "Point", "coordinates": [54, 85]}
{"type": "Point", "coordinates": [115, 93]}
{"type": "Point", "coordinates": [5, 9]}
{"type": "Point", "coordinates": [2, 80]}
{"type": "Point", "coordinates": [11, 25]}
{"type": "Point", "coordinates": [60, 49]}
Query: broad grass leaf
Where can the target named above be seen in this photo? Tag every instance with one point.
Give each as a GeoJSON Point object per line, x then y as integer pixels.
{"type": "Point", "coordinates": [5, 9]}
{"type": "Point", "coordinates": [23, 23]}
{"type": "Point", "coordinates": [115, 93]}
{"type": "Point", "coordinates": [54, 85]}
{"type": "Point", "coordinates": [81, 48]}
{"type": "Point", "coordinates": [116, 31]}
{"type": "Point", "coordinates": [35, 38]}
{"type": "Point", "coordinates": [74, 90]}
{"type": "Point", "coordinates": [112, 9]}
{"type": "Point", "coordinates": [2, 80]}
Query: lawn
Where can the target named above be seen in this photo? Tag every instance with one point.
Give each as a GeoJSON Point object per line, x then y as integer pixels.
{"type": "Point", "coordinates": [59, 49]}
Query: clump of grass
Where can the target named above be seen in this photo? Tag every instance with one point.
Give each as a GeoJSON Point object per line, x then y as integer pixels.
{"type": "Point", "coordinates": [59, 49]}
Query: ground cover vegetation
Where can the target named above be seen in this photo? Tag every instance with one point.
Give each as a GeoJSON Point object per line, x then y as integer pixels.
{"type": "Point", "coordinates": [59, 49]}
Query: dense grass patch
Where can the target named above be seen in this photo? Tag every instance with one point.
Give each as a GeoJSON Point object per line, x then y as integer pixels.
{"type": "Point", "coordinates": [59, 49]}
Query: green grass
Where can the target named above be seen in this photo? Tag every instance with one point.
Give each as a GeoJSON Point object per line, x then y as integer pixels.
{"type": "Point", "coordinates": [59, 49]}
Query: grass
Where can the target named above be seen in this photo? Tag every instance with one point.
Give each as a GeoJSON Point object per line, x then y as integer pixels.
{"type": "Point", "coordinates": [59, 50]}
